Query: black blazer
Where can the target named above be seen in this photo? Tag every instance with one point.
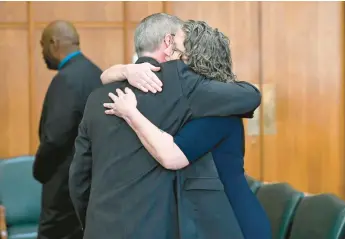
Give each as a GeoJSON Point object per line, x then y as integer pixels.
{"type": "Point", "coordinates": [62, 112]}
{"type": "Point", "coordinates": [130, 195]}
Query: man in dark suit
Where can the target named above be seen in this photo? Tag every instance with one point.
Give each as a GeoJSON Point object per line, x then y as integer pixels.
{"type": "Point", "coordinates": [62, 112]}
{"type": "Point", "coordinates": [130, 195]}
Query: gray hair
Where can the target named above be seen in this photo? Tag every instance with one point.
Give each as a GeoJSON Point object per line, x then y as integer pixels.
{"type": "Point", "coordinates": [208, 51]}
{"type": "Point", "coordinates": [151, 31]}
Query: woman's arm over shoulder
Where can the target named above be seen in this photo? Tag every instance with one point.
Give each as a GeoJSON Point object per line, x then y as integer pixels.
{"type": "Point", "coordinates": [140, 76]}
{"type": "Point", "coordinates": [114, 73]}
{"type": "Point", "coordinates": [213, 98]}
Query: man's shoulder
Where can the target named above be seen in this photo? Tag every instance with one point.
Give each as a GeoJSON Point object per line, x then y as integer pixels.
{"type": "Point", "coordinates": [174, 64]}
{"type": "Point", "coordinates": [81, 62]}
{"type": "Point", "coordinates": [189, 80]}
{"type": "Point", "coordinates": [103, 91]}
{"type": "Point", "coordinates": [94, 104]}
{"type": "Point", "coordinates": [79, 80]}
{"type": "Point", "coordinates": [80, 71]}
{"type": "Point", "coordinates": [89, 66]}
{"type": "Point", "coordinates": [184, 71]}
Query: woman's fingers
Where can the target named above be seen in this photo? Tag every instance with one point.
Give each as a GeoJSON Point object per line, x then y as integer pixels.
{"type": "Point", "coordinates": [119, 92]}
{"type": "Point", "coordinates": [113, 96]}
{"type": "Point", "coordinates": [148, 86]}
{"type": "Point", "coordinates": [109, 105]}
{"type": "Point", "coordinates": [141, 87]}
{"type": "Point", "coordinates": [153, 80]}
{"type": "Point", "coordinates": [111, 112]}
{"type": "Point", "coordinates": [128, 91]}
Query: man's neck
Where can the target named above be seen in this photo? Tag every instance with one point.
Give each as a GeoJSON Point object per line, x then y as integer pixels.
{"type": "Point", "coordinates": [68, 51]}
{"type": "Point", "coordinates": [160, 57]}
{"type": "Point", "coordinates": [67, 58]}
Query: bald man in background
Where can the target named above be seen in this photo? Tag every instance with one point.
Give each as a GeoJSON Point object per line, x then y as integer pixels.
{"type": "Point", "coordinates": [62, 112]}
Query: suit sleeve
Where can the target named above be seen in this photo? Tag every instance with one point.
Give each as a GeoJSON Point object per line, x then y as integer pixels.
{"type": "Point", "coordinates": [60, 130]}
{"type": "Point", "coordinates": [80, 173]}
{"type": "Point", "coordinates": [213, 98]}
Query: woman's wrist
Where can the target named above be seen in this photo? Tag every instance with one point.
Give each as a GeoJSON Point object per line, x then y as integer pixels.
{"type": "Point", "coordinates": [131, 114]}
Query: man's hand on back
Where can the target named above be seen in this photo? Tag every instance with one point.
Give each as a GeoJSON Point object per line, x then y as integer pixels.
{"type": "Point", "coordinates": [141, 76]}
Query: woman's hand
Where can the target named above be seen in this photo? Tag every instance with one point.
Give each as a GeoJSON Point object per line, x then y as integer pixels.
{"type": "Point", "coordinates": [142, 76]}
{"type": "Point", "coordinates": [124, 103]}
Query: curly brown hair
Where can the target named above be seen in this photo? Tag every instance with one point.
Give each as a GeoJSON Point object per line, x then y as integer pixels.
{"type": "Point", "coordinates": [208, 51]}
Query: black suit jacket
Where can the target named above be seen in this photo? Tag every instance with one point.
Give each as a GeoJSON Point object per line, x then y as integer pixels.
{"type": "Point", "coordinates": [62, 112]}
{"type": "Point", "coordinates": [120, 191]}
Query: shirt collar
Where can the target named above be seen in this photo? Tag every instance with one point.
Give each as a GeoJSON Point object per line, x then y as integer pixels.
{"type": "Point", "coordinates": [150, 60]}
{"type": "Point", "coordinates": [67, 58]}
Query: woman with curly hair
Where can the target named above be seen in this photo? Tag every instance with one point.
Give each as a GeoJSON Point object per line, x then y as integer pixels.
{"type": "Point", "coordinates": [206, 51]}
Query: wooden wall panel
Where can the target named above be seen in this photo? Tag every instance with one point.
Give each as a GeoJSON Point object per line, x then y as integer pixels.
{"type": "Point", "coordinates": [78, 11]}
{"type": "Point", "coordinates": [108, 42]}
{"type": "Point", "coordinates": [135, 12]}
{"type": "Point", "coordinates": [303, 57]}
{"type": "Point", "coordinates": [13, 12]}
{"type": "Point", "coordinates": [139, 10]}
{"type": "Point", "coordinates": [130, 45]}
{"type": "Point", "coordinates": [239, 21]}
{"type": "Point", "coordinates": [14, 94]}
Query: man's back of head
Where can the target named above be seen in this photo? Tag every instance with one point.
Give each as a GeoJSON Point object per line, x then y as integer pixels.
{"type": "Point", "coordinates": [150, 34]}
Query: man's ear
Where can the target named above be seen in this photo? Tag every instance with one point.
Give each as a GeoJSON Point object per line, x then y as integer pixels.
{"type": "Point", "coordinates": [55, 43]}
{"type": "Point", "coordinates": [168, 45]}
{"type": "Point", "coordinates": [168, 40]}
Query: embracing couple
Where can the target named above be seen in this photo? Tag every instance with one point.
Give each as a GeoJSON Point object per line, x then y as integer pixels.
{"type": "Point", "coordinates": [160, 148]}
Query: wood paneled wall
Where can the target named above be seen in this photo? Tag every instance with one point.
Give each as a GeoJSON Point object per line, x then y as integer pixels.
{"type": "Point", "coordinates": [303, 56]}
{"type": "Point", "coordinates": [296, 48]}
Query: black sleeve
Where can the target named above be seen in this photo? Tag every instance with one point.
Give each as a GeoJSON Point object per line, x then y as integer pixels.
{"type": "Point", "coordinates": [60, 129]}
{"type": "Point", "coordinates": [80, 173]}
{"type": "Point", "coordinates": [214, 98]}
